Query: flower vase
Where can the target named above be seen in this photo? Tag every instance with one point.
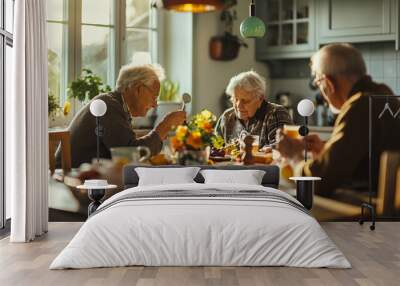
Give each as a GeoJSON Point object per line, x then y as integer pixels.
{"type": "Point", "coordinates": [194, 157]}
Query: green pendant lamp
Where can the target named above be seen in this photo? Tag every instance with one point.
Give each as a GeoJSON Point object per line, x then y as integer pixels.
{"type": "Point", "coordinates": [252, 26]}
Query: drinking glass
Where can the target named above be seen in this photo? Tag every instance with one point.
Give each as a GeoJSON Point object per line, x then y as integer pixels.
{"type": "Point", "coordinates": [256, 144]}
{"type": "Point", "coordinates": [291, 131]}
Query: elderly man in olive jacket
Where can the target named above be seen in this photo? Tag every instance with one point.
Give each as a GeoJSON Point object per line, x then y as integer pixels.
{"type": "Point", "coordinates": [340, 74]}
{"type": "Point", "coordinates": [136, 92]}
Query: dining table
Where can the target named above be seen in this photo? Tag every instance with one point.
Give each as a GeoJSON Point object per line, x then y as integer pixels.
{"type": "Point", "coordinates": [323, 208]}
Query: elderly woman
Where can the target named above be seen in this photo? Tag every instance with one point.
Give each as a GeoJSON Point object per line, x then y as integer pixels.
{"type": "Point", "coordinates": [136, 92]}
{"type": "Point", "coordinates": [251, 112]}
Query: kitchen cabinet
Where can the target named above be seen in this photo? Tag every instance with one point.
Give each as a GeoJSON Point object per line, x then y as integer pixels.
{"type": "Point", "coordinates": [297, 28]}
{"type": "Point", "coordinates": [356, 21]}
{"type": "Point", "coordinates": [290, 29]}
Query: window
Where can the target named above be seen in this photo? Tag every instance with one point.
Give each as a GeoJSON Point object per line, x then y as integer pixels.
{"type": "Point", "coordinates": [6, 44]}
{"type": "Point", "coordinates": [140, 29]}
{"type": "Point", "coordinates": [101, 35]}
{"type": "Point", "coordinates": [98, 39]}
{"type": "Point", "coordinates": [9, 15]}
{"type": "Point", "coordinates": [57, 32]}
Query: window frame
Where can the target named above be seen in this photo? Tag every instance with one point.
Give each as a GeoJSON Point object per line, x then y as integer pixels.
{"type": "Point", "coordinates": [112, 44]}
{"type": "Point", "coordinates": [118, 44]}
{"type": "Point", "coordinates": [6, 39]}
{"type": "Point", "coordinates": [65, 58]}
{"type": "Point", "coordinates": [153, 30]}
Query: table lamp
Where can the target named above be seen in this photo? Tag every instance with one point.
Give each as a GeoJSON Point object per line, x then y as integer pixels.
{"type": "Point", "coordinates": [98, 108]}
{"type": "Point", "coordinates": [305, 109]}
{"type": "Point", "coordinates": [305, 185]}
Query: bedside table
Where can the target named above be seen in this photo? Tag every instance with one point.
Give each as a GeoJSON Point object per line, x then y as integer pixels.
{"type": "Point", "coordinates": [305, 190]}
{"type": "Point", "coordinates": [95, 195]}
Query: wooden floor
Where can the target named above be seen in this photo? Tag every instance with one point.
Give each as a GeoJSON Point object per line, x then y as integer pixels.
{"type": "Point", "coordinates": [375, 257]}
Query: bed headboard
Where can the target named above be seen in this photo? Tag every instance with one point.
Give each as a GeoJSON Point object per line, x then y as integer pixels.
{"type": "Point", "coordinates": [270, 179]}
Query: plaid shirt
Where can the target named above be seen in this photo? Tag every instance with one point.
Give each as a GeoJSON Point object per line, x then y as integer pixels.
{"type": "Point", "coordinates": [267, 119]}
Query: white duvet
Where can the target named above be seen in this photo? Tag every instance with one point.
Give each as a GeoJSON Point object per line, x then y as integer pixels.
{"type": "Point", "coordinates": [200, 231]}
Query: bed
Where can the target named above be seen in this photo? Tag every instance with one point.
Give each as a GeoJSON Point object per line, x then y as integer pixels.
{"type": "Point", "coordinates": [201, 224]}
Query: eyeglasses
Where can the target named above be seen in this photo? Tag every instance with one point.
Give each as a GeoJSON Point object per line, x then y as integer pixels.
{"type": "Point", "coordinates": [151, 91]}
{"type": "Point", "coordinates": [317, 80]}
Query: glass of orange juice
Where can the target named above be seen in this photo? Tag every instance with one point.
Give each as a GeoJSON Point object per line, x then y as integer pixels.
{"type": "Point", "coordinates": [291, 131]}
{"type": "Point", "coordinates": [256, 144]}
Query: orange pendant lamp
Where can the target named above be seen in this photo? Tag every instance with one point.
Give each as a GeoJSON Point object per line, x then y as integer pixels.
{"type": "Point", "coordinates": [197, 6]}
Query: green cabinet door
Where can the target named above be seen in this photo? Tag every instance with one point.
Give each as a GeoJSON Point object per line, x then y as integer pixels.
{"type": "Point", "coordinates": [355, 20]}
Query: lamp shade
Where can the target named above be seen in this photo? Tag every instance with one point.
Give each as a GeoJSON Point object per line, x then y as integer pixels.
{"type": "Point", "coordinates": [252, 26]}
{"type": "Point", "coordinates": [305, 107]}
{"type": "Point", "coordinates": [98, 108]}
{"type": "Point", "coordinates": [197, 6]}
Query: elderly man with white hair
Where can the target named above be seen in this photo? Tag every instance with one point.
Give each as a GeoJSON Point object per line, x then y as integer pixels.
{"type": "Point", "coordinates": [340, 73]}
{"type": "Point", "coordinates": [136, 92]}
{"type": "Point", "coordinates": [251, 112]}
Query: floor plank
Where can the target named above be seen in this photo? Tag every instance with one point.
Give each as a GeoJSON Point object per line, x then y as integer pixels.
{"type": "Point", "coordinates": [375, 257]}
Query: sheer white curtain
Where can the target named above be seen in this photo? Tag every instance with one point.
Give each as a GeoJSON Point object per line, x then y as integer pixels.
{"type": "Point", "coordinates": [26, 124]}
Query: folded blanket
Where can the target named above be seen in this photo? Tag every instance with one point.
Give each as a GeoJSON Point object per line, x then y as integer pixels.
{"type": "Point", "coordinates": [207, 193]}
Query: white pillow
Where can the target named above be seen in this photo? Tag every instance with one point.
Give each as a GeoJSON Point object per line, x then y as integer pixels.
{"type": "Point", "coordinates": [166, 176]}
{"type": "Point", "coordinates": [248, 177]}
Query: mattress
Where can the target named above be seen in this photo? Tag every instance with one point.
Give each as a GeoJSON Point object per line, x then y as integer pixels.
{"type": "Point", "coordinates": [201, 225]}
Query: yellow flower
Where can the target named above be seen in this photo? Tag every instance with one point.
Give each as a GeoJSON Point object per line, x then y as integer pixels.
{"type": "Point", "coordinates": [176, 144]}
{"type": "Point", "coordinates": [206, 114]}
{"type": "Point", "coordinates": [66, 108]}
{"type": "Point", "coordinates": [206, 127]}
{"type": "Point", "coordinates": [194, 140]}
{"type": "Point", "coordinates": [198, 122]}
{"type": "Point", "coordinates": [181, 132]}
{"type": "Point", "coordinates": [217, 142]}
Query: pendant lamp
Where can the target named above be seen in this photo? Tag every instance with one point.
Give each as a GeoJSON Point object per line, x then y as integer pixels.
{"type": "Point", "coordinates": [252, 26]}
{"type": "Point", "coordinates": [195, 6]}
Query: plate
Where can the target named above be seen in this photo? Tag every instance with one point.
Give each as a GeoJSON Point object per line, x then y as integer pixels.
{"type": "Point", "coordinates": [220, 158]}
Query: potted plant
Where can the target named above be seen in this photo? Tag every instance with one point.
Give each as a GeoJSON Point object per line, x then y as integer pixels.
{"type": "Point", "coordinates": [87, 86]}
{"type": "Point", "coordinates": [168, 99]}
{"type": "Point", "coordinates": [53, 106]}
{"type": "Point", "coordinates": [84, 88]}
{"type": "Point", "coordinates": [57, 114]}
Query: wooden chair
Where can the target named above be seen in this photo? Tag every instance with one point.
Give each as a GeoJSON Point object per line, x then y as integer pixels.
{"type": "Point", "coordinates": [388, 199]}
{"type": "Point", "coordinates": [397, 196]}
{"type": "Point", "coordinates": [55, 137]}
